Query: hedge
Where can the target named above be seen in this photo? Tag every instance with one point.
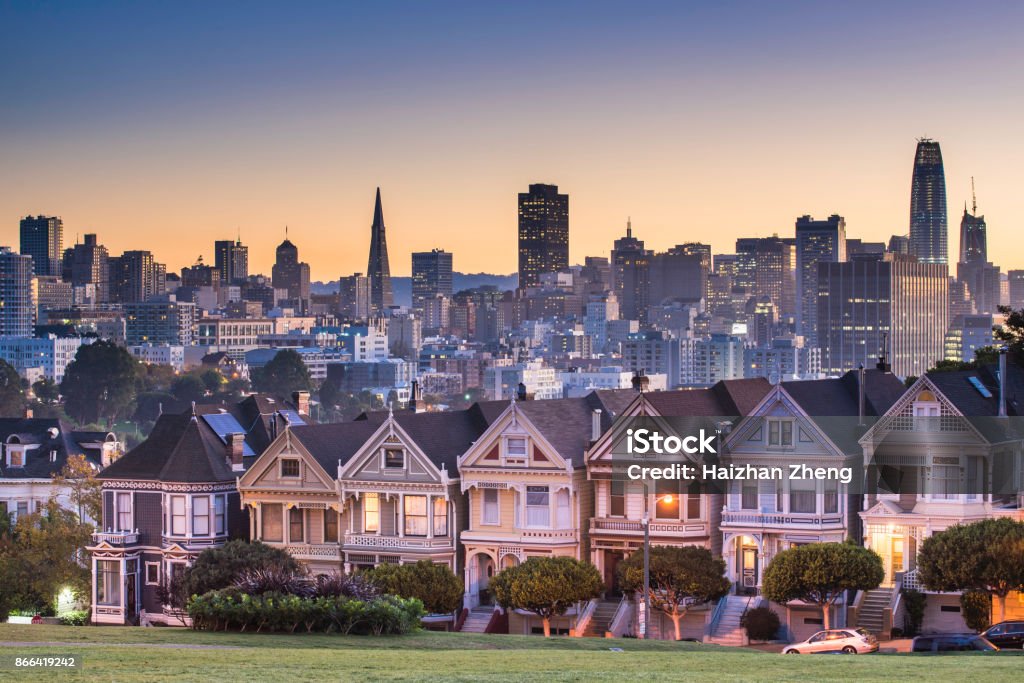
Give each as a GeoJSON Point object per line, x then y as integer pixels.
{"type": "Point", "coordinates": [229, 609]}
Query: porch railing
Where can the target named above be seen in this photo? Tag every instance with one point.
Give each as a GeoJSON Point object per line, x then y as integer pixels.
{"type": "Point", "coordinates": [116, 537]}
{"type": "Point", "coordinates": [716, 616]}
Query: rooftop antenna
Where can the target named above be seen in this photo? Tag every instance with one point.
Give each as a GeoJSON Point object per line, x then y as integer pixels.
{"type": "Point", "coordinates": [974, 199]}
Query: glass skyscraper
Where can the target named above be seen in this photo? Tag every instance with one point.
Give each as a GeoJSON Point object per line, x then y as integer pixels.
{"type": "Point", "coordinates": [543, 233]}
{"type": "Point", "coordinates": [928, 226]}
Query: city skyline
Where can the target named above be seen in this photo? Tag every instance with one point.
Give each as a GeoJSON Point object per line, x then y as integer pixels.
{"type": "Point", "coordinates": [244, 133]}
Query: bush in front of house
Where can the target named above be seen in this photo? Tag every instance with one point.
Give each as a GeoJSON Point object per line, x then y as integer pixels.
{"type": "Point", "coordinates": [232, 610]}
{"type": "Point", "coordinates": [436, 585]}
{"type": "Point", "coordinates": [75, 618]}
{"type": "Point", "coordinates": [913, 611]}
{"type": "Point", "coordinates": [761, 623]}
{"type": "Point", "coordinates": [976, 607]}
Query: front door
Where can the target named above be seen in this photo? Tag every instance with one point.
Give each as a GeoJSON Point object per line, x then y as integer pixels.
{"type": "Point", "coordinates": [611, 571]}
{"type": "Point", "coordinates": [748, 570]}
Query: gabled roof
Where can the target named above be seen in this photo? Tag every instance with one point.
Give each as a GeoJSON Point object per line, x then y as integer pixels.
{"type": "Point", "coordinates": [38, 431]}
{"type": "Point", "coordinates": [734, 397]}
{"type": "Point", "coordinates": [839, 397]}
{"type": "Point", "coordinates": [963, 393]}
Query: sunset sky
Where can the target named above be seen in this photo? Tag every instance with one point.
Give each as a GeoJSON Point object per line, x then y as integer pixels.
{"type": "Point", "coordinates": [165, 126]}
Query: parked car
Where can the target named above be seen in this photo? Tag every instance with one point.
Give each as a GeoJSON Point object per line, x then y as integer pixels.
{"type": "Point", "coordinates": [1006, 634]}
{"type": "Point", "coordinates": [952, 642]}
{"type": "Point", "coordinates": [853, 641]}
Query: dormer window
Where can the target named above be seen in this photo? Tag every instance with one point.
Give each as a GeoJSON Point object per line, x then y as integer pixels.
{"type": "Point", "coordinates": [289, 468]}
{"type": "Point", "coordinates": [780, 433]}
{"type": "Point", "coordinates": [15, 457]}
{"type": "Point", "coordinates": [515, 450]}
{"type": "Point", "coordinates": [394, 459]}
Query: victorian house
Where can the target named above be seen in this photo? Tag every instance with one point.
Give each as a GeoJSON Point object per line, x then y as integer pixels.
{"type": "Point", "coordinates": [679, 512]}
{"type": "Point", "coordinates": [949, 452]}
{"type": "Point", "coordinates": [173, 496]}
{"type": "Point", "coordinates": [526, 480]}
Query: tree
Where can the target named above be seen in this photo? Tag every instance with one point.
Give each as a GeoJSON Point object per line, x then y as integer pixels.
{"type": "Point", "coordinates": [217, 568]}
{"type": "Point", "coordinates": [329, 394]}
{"type": "Point", "coordinates": [12, 392]}
{"type": "Point", "coordinates": [41, 557]}
{"type": "Point", "coordinates": [546, 586]}
{"type": "Point", "coordinates": [100, 382]}
{"type": "Point", "coordinates": [986, 556]}
{"type": "Point", "coordinates": [679, 577]}
{"type": "Point", "coordinates": [188, 389]}
{"type": "Point", "coordinates": [46, 390]}
{"type": "Point", "coordinates": [213, 380]}
{"type": "Point", "coordinates": [436, 585]}
{"type": "Point", "coordinates": [78, 476]}
{"type": "Point", "coordinates": [820, 573]}
{"type": "Point", "coordinates": [284, 374]}
{"type": "Point", "coordinates": [1011, 333]}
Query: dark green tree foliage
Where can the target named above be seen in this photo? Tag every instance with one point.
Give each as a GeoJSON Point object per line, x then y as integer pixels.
{"type": "Point", "coordinates": [677, 576]}
{"type": "Point", "coordinates": [986, 556]}
{"type": "Point", "coordinates": [546, 586]}
{"type": "Point", "coordinates": [1011, 333]}
{"type": "Point", "coordinates": [221, 567]}
{"type": "Point", "coordinates": [46, 390]}
{"type": "Point", "coordinates": [284, 374]}
{"type": "Point", "coordinates": [820, 573]}
{"type": "Point", "coordinates": [436, 585]}
{"type": "Point", "coordinates": [913, 608]}
{"type": "Point", "coordinates": [100, 383]}
{"type": "Point", "coordinates": [761, 623]}
{"type": "Point", "coordinates": [12, 393]}
{"type": "Point", "coordinates": [188, 388]}
{"type": "Point", "coordinates": [976, 608]}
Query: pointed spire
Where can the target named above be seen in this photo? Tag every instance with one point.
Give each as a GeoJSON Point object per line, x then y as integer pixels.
{"type": "Point", "coordinates": [378, 213]}
{"type": "Point", "coordinates": [974, 199]}
{"type": "Point", "coordinates": [629, 226]}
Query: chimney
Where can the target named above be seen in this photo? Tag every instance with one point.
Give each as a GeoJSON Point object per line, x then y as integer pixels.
{"type": "Point", "coordinates": [1002, 381]}
{"type": "Point", "coordinates": [521, 394]}
{"type": "Point", "coordinates": [233, 449]}
{"type": "Point", "coordinates": [595, 425]}
{"type": "Point", "coordinates": [301, 401]}
{"type": "Point", "coordinates": [640, 381]}
{"type": "Point", "coordinates": [883, 355]}
{"type": "Point", "coordinates": [861, 377]}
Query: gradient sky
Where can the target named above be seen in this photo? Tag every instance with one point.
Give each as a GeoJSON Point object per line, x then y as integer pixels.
{"type": "Point", "coordinates": [165, 126]}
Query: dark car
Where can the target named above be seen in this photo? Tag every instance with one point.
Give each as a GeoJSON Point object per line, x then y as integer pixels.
{"type": "Point", "coordinates": [1006, 634]}
{"type": "Point", "coordinates": [953, 642]}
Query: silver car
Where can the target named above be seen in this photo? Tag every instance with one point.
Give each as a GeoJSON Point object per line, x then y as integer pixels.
{"type": "Point", "coordinates": [852, 641]}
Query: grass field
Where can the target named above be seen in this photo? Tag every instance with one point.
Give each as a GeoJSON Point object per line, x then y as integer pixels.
{"type": "Point", "coordinates": [138, 654]}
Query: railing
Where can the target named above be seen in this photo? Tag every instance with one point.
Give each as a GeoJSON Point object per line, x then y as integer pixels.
{"type": "Point", "coordinates": [657, 527]}
{"type": "Point", "coordinates": [622, 618]}
{"type": "Point", "coordinates": [315, 551]}
{"type": "Point", "coordinates": [716, 616]}
{"type": "Point", "coordinates": [752, 518]}
{"type": "Point", "coordinates": [375, 541]}
{"type": "Point", "coordinates": [584, 619]}
{"type": "Point", "coordinates": [911, 581]}
{"type": "Point", "coordinates": [548, 533]}
{"type": "Point", "coordinates": [116, 537]}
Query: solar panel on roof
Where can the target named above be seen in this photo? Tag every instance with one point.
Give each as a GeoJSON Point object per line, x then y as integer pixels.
{"type": "Point", "coordinates": [225, 423]}
{"type": "Point", "coordinates": [293, 417]}
{"type": "Point", "coordinates": [976, 383]}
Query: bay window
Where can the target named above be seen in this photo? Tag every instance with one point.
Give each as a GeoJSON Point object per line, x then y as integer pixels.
{"type": "Point", "coordinates": [563, 513]}
{"type": "Point", "coordinates": [200, 516]}
{"type": "Point", "coordinates": [831, 496]}
{"type": "Point", "coordinates": [748, 495]}
{"type": "Point", "coordinates": [415, 515]}
{"type": "Point", "coordinates": [801, 495]}
{"type": "Point", "coordinates": [371, 513]}
{"type": "Point", "coordinates": [296, 527]}
{"type": "Point", "coordinates": [179, 522]}
{"type": "Point", "coordinates": [220, 526]}
{"type": "Point", "coordinates": [272, 517]}
{"type": "Point", "coordinates": [440, 517]}
{"type": "Point", "coordinates": [330, 526]}
{"type": "Point", "coordinates": [617, 498]}
{"type": "Point", "coordinates": [667, 493]}
{"type": "Point", "coordinates": [124, 511]}
{"type": "Point", "coordinates": [538, 506]}
{"type": "Point", "coordinates": [108, 582]}
{"type": "Point", "coordinates": [490, 513]}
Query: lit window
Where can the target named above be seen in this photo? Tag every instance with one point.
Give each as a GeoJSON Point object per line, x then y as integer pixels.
{"type": "Point", "coordinates": [440, 517]}
{"type": "Point", "coordinates": [415, 515]}
{"type": "Point", "coordinates": [371, 512]}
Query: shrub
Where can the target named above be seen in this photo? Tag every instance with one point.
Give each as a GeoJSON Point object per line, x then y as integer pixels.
{"type": "Point", "coordinates": [273, 579]}
{"type": "Point", "coordinates": [976, 607]}
{"type": "Point", "coordinates": [345, 585]}
{"type": "Point", "coordinates": [913, 606]}
{"type": "Point", "coordinates": [436, 585]}
{"type": "Point", "coordinates": [761, 623]}
{"type": "Point", "coordinates": [218, 568]}
{"type": "Point", "coordinates": [75, 618]}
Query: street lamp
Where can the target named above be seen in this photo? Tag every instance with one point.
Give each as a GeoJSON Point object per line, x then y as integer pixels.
{"type": "Point", "coordinates": [647, 557]}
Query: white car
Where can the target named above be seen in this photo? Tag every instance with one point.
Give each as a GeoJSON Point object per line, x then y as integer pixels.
{"type": "Point", "coordinates": [852, 641]}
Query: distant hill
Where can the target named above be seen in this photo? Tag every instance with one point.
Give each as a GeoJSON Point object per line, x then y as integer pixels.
{"type": "Point", "coordinates": [402, 286]}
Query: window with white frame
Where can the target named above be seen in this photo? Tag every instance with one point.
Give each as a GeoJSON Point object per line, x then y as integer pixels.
{"type": "Point", "coordinates": [123, 511]}
{"type": "Point", "coordinates": [440, 516]}
{"type": "Point", "coordinates": [272, 522]}
{"type": "Point", "coordinates": [330, 526]}
{"type": "Point", "coordinates": [490, 513]}
{"type": "Point", "coordinates": [748, 494]}
{"type": "Point", "coordinates": [179, 521]}
{"type": "Point", "coordinates": [515, 450]}
{"type": "Point", "coordinates": [945, 481]}
{"type": "Point", "coordinates": [296, 525]}
{"type": "Point", "coordinates": [220, 525]}
{"type": "Point", "coordinates": [538, 506]}
{"type": "Point", "coordinates": [830, 497]}
{"type": "Point", "coordinates": [394, 459]}
{"type": "Point", "coordinates": [108, 582]}
{"type": "Point", "coordinates": [371, 513]}
{"type": "Point", "coordinates": [290, 468]}
{"type": "Point", "coordinates": [563, 512]}
{"type": "Point", "coordinates": [802, 495]}
{"type": "Point", "coordinates": [617, 498]}
{"type": "Point", "coordinates": [693, 498]}
{"type": "Point", "coordinates": [152, 573]}
{"type": "Point", "coordinates": [200, 516]}
{"type": "Point", "coordinates": [415, 515]}
{"type": "Point", "coordinates": [780, 433]}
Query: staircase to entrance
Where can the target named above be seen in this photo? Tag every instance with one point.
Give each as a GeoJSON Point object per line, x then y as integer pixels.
{"type": "Point", "coordinates": [726, 630]}
{"type": "Point", "coordinates": [477, 619]}
{"type": "Point", "coordinates": [601, 619]}
{"type": "Point", "coordinates": [872, 605]}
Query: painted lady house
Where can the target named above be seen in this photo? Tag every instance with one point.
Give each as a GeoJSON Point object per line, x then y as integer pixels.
{"type": "Point", "coordinates": [526, 481]}
{"type": "Point", "coordinates": [171, 497]}
{"type": "Point", "coordinates": [808, 424]}
{"type": "Point", "coordinates": [680, 514]}
{"type": "Point", "coordinates": [947, 453]}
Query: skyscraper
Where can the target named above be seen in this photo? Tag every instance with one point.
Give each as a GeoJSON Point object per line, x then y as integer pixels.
{"type": "Point", "coordinates": [231, 258]}
{"type": "Point", "coordinates": [928, 238]}
{"type": "Point", "coordinates": [377, 268]}
{"type": "Point", "coordinates": [816, 242]}
{"type": "Point", "coordinates": [132, 277]}
{"type": "Point", "coordinates": [431, 275]}
{"type": "Point", "coordinates": [543, 233]}
{"type": "Point", "coordinates": [354, 297]}
{"type": "Point", "coordinates": [86, 265]}
{"type": "Point", "coordinates": [17, 304]}
{"type": "Point", "coordinates": [973, 268]}
{"type": "Point", "coordinates": [765, 266]}
{"type": "Point", "coordinates": [42, 238]}
{"type": "Point", "coordinates": [630, 265]}
{"type": "Point", "coordinates": [291, 274]}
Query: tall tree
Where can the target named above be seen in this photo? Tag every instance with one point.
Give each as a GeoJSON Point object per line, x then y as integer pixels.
{"type": "Point", "coordinates": [100, 383]}
{"type": "Point", "coordinates": [436, 585]}
{"type": "Point", "coordinates": [546, 586]}
{"type": "Point", "coordinates": [78, 478]}
{"type": "Point", "coordinates": [820, 573]}
{"type": "Point", "coordinates": [12, 392]}
{"type": "Point", "coordinates": [986, 557]}
{"type": "Point", "coordinates": [46, 390]}
{"type": "Point", "coordinates": [283, 374]}
{"type": "Point", "coordinates": [1011, 333]}
{"type": "Point", "coordinates": [679, 577]}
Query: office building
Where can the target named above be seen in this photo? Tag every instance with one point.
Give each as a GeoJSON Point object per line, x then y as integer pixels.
{"type": "Point", "coordinates": [378, 268]}
{"type": "Point", "coordinates": [86, 266]}
{"type": "Point", "coordinates": [543, 233]}
{"type": "Point", "coordinates": [928, 238]}
{"type": "Point", "coordinates": [231, 258]}
{"type": "Point", "coordinates": [973, 268]}
{"type": "Point", "coordinates": [817, 242]}
{"type": "Point", "coordinates": [161, 320]}
{"type": "Point", "coordinates": [17, 295]}
{"type": "Point", "coordinates": [1015, 281]}
{"type": "Point", "coordinates": [291, 275]}
{"type": "Point", "coordinates": [679, 274]}
{"type": "Point", "coordinates": [354, 297]}
{"type": "Point", "coordinates": [631, 278]}
{"type": "Point", "coordinates": [42, 238]}
{"type": "Point", "coordinates": [133, 277]}
{"type": "Point", "coordinates": [47, 356]}
{"type": "Point", "coordinates": [765, 266]}
{"type": "Point", "coordinates": [967, 334]}
{"type": "Point", "coordinates": [786, 359]}
{"type": "Point", "coordinates": [431, 275]}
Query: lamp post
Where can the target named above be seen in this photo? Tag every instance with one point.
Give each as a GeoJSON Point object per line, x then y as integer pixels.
{"type": "Point", "coordinates": [647, 557]}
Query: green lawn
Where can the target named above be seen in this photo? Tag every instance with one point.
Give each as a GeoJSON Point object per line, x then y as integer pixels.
{"type": "Point", "coordinates": [135, 654]}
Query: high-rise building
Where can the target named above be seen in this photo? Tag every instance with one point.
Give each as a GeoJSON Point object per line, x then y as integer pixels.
{"type": "Point", "coordinates": [163, 320]}
{"type": "Point", "coordinates": [816, 242]}
{"type": "Point", "coordinates": [543, 233]}
{"type": "Point", "coordinates": [679, 274]}
{"type": "Point", "coordinates": [378, 269]}
{"type": "Point", "coordinates": [630, 268]}
{"type": "Point", "coordinates": [42, 238]}
{"type": "Point", "coordinates": [132, 277]}
{"type": "Point", "coordinates": [86, 266]}
{"type": "Point", "coordinates": [928, 230]}
{"type": "Point", "coordinates": [354, 297]}
{"type": "Point", "coordinates": [17, 299]}
{"type": "Point", "coordinates": [894, 307]}
{"type": "Point", "coordinates": [973, 269]}
{"type": "Point", "coordinates": [1016, 284]}
{"type": "Point", "coordinates": [291, 274]}
{"type": "Point", "coordinates": [431, 275]}
{"type": "Point", "coordinates": [231, 258]}
{"type": "Point", "coordinates": [765, 266]}
{"type": "Point", "coordinates": [899, 244]}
